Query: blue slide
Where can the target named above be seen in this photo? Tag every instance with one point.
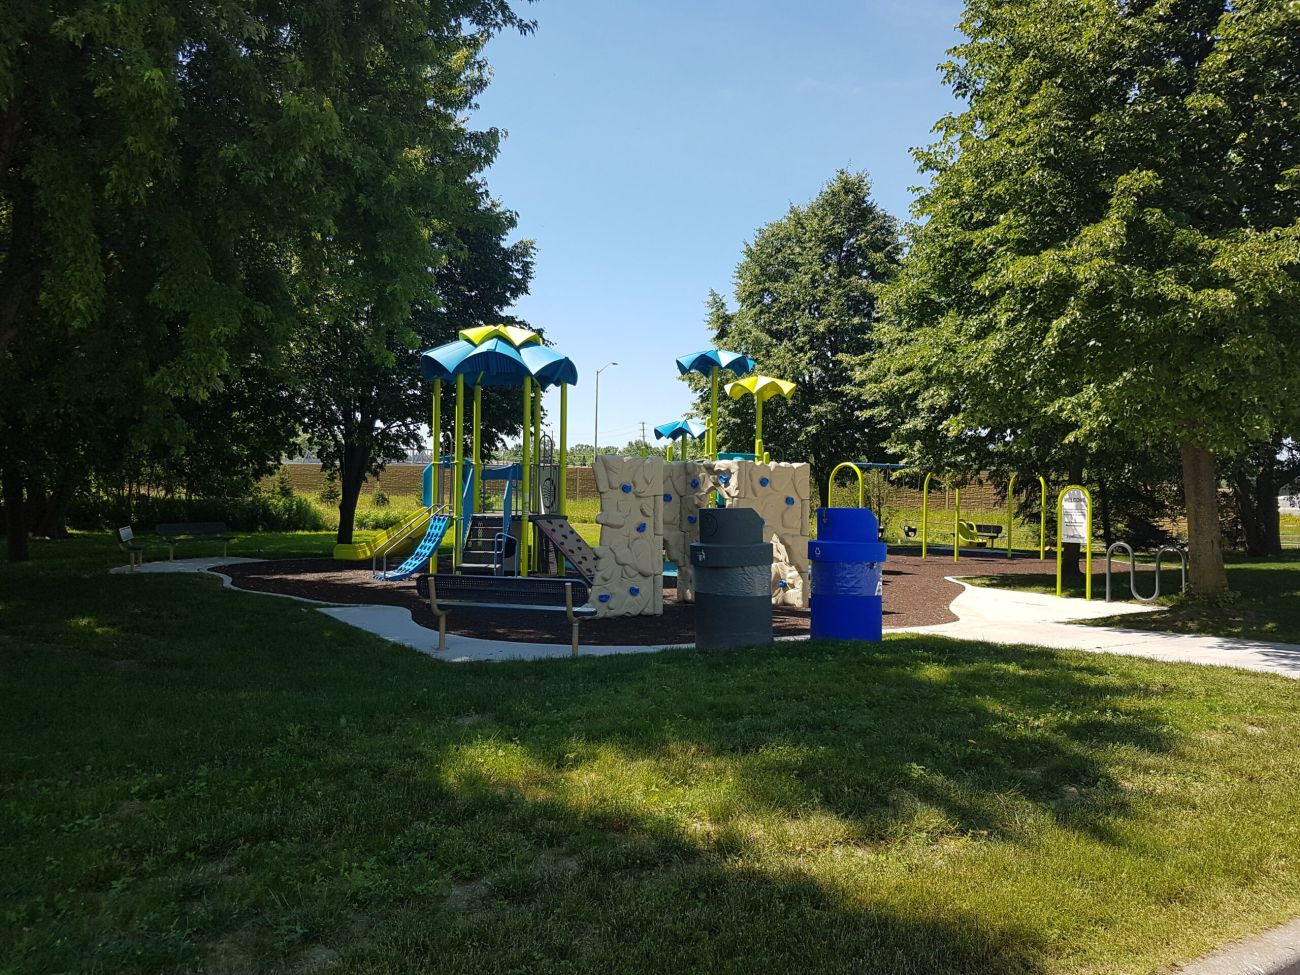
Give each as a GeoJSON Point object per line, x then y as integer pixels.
{"type": "Point", "coordinates": [438, 526]}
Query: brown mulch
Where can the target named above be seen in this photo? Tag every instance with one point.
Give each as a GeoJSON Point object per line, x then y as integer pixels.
{"type": "Point", "coordinates": [916, 594]}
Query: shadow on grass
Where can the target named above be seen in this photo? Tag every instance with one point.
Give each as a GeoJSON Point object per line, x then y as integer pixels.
{"type": "Point", "coordinates": [743, 811]}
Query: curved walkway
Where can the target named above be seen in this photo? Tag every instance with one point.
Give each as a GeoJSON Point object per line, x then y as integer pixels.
{"type": "Point", "coordinates": [985, 614]}
{"type": "Point", "coordinates": [1005, 616]}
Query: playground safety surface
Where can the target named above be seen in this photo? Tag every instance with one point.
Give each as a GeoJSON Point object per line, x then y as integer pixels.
{"type": "Point", "coordinates": [916, 594]}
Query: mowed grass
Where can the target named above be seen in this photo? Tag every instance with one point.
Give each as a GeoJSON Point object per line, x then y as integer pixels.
{"type": "Point", "coordinates": [1265, 604]}
{"type": "Point", "coordinates": [198, 780]}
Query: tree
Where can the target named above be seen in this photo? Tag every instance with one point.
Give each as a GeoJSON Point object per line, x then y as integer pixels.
{"type": "Point", "coordinates": [1110, 246]}
{"type": "Point", "coordinates": [1258, 476]}
{"type": "Point", "coordinates": [173, 175]}
{"type": "Point", "coordinates": [806, 294]}
{"type": "Point", "coordinates": [365, 400]}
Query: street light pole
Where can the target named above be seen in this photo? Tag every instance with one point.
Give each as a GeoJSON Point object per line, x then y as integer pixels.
{"type": "Point", "coordinates": [595, 430]}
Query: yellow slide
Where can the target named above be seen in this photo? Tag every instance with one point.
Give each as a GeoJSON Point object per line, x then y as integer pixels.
{"type": "Point", "coordinates": [412, 528]}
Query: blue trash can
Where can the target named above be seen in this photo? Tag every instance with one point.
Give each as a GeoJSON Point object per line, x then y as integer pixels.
{"type": "Point", "coordinates": [847, 561]}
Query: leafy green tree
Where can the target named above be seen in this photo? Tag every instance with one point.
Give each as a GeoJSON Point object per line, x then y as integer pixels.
{"type": "Point", "coordinates": [364, 400]}
{"type": "Point", "coordinates": [173, 176]}
{"type": "Point", "coordinates": [806, 294]}
{"type": "Point", "coordinates": [1110, 247]}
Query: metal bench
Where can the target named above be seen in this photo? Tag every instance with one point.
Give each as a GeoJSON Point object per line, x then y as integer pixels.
{"type": "Point", "coordinates": [990, 533]}
{"type": "Point", "coordinates": [133, 549]}
{"type": "Point", "coordinates": [446, 592]}
{"type": "Point", "coordinates": [185, 531]}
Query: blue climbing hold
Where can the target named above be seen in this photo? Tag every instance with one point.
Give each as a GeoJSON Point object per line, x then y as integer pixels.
{"type": "Point", "coordinates": [641, 527]}
{"type": "Point", "coordinates": [627, 488]}
{"type": "Point", "coordinates": [635, 591]}
{"type": "Point", "coordinates": [764, 481]}
{"type": "Point", "coordinates": [695, 482]}
{"type": "Point", "coordinates": [604, 597]}
{"type": "Point", "coordinates": [668, 497]}
{"type": "Point", "coordinates": [690, 519]}
{"type": "Point", "coordinates": [724, 478]}
{"type": "Point", "coordinates": [782, 584]}
{"type": "Point", "coordinates": [789, 501]}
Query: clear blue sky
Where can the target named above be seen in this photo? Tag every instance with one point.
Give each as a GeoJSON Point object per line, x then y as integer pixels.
{"type": "Point", "coordinates": [647, 141]}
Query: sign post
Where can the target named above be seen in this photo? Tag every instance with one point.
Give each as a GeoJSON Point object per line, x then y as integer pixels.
{"type": "Point", "coordinates": [1074, 524]}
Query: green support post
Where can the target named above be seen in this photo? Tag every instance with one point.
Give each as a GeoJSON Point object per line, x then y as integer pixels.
{"type": "Point", "coordinates": [711, 445]}
{"type": "Point", "coordinates": [524, 485]}
{"type": "Point", "coordinates": [476, 462]}
{"type": "Point", "coordinates": [435, 454]}
{"type": "Point", "coordinates": [1042, 520]}
{"type": "Point", "coordinates": [458, 472]}
{"type": "Point", "coordinates": [564, 450]}
{"type": "Point", "coordinates": [925, 516]}
{"type": "Point", "coordinates": [956, 525]}
{"type": "Point", "coordinates": [533, 548]}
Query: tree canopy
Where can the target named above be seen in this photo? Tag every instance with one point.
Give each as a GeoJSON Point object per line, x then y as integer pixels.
{"type": "Point", "coordinates": [806, 294]}
{"type": "Point", "coordinates": [1109, 250]}
{"type": "Point", "coordinates": [175, 178]}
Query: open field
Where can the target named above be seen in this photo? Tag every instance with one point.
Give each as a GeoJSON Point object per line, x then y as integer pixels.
{"type": "Point", "coordinates": [200, 779]}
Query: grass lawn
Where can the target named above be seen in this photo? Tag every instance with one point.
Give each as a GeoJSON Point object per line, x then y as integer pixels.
{"type": "Point", "coordinates": [1266, 606]}
{"type": "Point", "coordinates": [198, 780]}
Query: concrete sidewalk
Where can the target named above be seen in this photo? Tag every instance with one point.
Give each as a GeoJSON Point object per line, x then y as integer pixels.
{"type": "Point", "coordinates": [1008, 617]}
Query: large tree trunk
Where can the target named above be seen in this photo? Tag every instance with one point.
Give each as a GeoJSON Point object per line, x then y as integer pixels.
{"type": "Point", "coordinates": [1257, 507]}
{"type": "Point", "coordinates": [352, 475]}
{"type": "Point", "coordinates": [1207, 576]}
{"type": "Point", "coordinates": [15, 515]}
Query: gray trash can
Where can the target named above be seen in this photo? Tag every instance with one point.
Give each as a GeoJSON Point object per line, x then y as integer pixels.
{"type": "Point", "coordinates": [733, 580]}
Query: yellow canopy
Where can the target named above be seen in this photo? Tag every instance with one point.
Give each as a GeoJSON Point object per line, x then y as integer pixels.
{"type": "Point", "coordinates": [513, 334]}
{"type": "Point", "coordinates": [762, 388]}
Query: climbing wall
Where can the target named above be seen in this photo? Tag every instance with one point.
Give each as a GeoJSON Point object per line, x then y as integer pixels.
{"type": "Point", "coordinates": [629, 560]}
{"type": "Point", "coordinates": [780, 495]}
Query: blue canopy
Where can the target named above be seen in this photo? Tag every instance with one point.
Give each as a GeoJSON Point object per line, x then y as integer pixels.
{"type": "Point", "coordinates": [680, 430]}
{"type": "Point", "coordinates": [705, 362]}
{"type": "Point", "coordinates": [548, 366]}
{"type": "Point", "coordinates": [493, 363]}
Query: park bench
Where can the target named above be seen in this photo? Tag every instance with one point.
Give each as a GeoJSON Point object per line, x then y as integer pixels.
{"type": "Point", "coordinates": [186, 531]}
{"type": "Point", "coordinates": [539, 595]}
{"type": "Point", "coordinates": [990, 533]}
{"type": "Point", "coordinates": [133, 549]}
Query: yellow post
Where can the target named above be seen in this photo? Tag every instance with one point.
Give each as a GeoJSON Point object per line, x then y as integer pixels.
{"type": "Point", "coordinates": [458, 472]}
{"type": "Point", "coordinates": [476, 463]}
{"type": "Point", "coordinates": [1087, 531]}
{"type": "Point", "coordinates": [758, 429]}
{"type": "Point", "coordinates": [862, 497]}
{"type": "Point", "coordinates": [1011, 510]}
{"type": "Point", "coordinates": [1042, 520]}
{"type": "Point", "coordinates": [925, 516]}
{"type": "Point", "coordinates": [564, 449]}
{"type": "Point", "coordinates": [435, 454]}
{"type": "Point", "coordinates": [524, 483]}
{"type": "Point", "coordinates": [956, 525]}
{"type": "Point", "coordinates": [711, 438]}
{"type": "Point", "coordinates": [537, 452]}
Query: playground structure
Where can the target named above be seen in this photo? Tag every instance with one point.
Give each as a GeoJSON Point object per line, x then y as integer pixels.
{"type": "Point", "coordinates": [711, 363]}
{"type": "Point", "coordinates": [762, 388]}
{"type": "Point", "coordinates": [964, 533]}
{"type": "Point", "coordinates": [648, 506]}
{"type": "Point", "coordinates": [683, 430]}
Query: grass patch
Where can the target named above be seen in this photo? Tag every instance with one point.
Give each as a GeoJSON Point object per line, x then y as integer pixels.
{"type": "Point", "coordinates": [194, 779]}
{"type": "Point", "coordinates": [1266, 604]}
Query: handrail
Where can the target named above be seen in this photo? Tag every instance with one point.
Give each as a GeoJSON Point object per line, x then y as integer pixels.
{"type": "Point", "coordinates": [391, 543]}
{"type": "Point", "coordinates": [830, 484]}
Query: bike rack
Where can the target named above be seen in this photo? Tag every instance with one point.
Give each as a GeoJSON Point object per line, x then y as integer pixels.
{"type": "Point", "coordinates": [1132, 570]}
